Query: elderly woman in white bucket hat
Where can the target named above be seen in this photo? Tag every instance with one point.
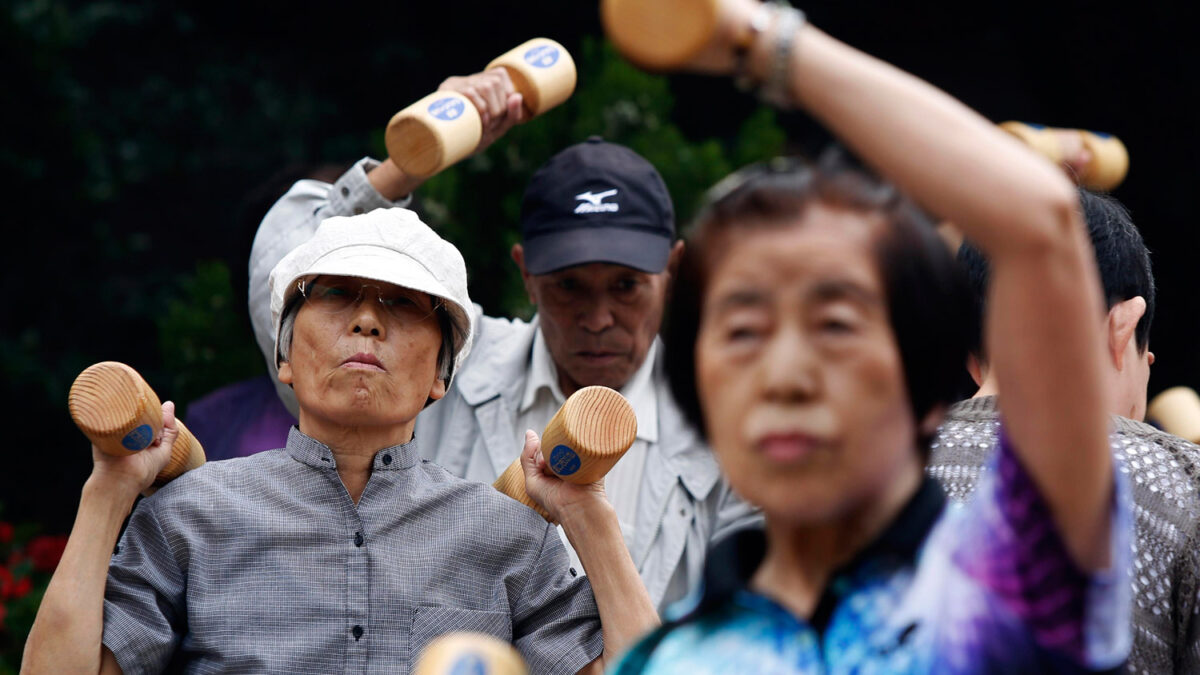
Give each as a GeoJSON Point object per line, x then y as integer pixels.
{"type": "Point", "coordinates": [343, 551]}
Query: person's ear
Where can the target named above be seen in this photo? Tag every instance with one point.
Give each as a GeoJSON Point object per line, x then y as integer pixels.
{"type": "Point", "coordinates": [518, 256]}
{"type": "Point", "coordinates": [1122, 324]}
{"type": "Point", "coordinates": [285, 372]}
{"type": "Point", "coordinates": [674, 258]}
{"type": "Point", "coordinates": [438, 390]}
{"type": "Point", "coordinates": [975, 368]}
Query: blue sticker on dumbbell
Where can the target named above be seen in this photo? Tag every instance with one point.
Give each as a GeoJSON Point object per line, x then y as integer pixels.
{"type": "Point", "coordinates": [563, 460]}
{"type": "Point", "coordinates": [469, 664]}
{"type": "Point", "coordinates": [138, 439]}
{"type": "Point", "coordinates": [542, 56]}
{"type": "Point", "coordinates": [448, 108]}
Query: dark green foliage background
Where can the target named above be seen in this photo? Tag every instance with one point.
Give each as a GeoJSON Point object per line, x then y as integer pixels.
{"type": "Point", "coordinates": [143, 141]}
{"type": "Point", "coordinates": [150, 139]}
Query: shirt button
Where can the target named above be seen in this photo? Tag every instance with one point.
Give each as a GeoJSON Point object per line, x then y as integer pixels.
{"type": "Point", "coordinates": [345, 191]}
{"type": "Point", "coordinates": [358, 539]}
{"type": "Point", "coordinates": [387, 459]}
{"type": "Point", "coordinates": [357, 631]}
{"type": "Point", "coordinates": [573, 572]}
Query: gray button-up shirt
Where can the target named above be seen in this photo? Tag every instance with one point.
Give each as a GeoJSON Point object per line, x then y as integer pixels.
{"type": "Point", "coordinates": [265, 564]}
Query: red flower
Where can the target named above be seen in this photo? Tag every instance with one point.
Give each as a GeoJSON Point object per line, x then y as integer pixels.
{"type": "Point", "coordinates": [6, 583]}
{"type": "Point", "coordinates": [22, 588]}
{"type": "Point", "coordinates": [6, 532]}
{"type": "Point", "coordinates": [45, 551]}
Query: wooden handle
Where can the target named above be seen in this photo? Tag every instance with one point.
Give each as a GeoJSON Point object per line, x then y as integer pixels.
{"type": "Point", "coordinates": [464, 653]}
{"type": "Point", "coordinates": [1108, 163]}
{"type": "Point", "coordinates": [1177, 411]}
{"type": "Point", "coordinates": [660, 34]}
{"type": "Point", "coordinates": [121, 415]}
{"type": "Point", "coordinates": [542, 70]}
{"type": "Point", "coordinates": [582, 442]}
{"type": "Point", "coordinates": [433, 133]}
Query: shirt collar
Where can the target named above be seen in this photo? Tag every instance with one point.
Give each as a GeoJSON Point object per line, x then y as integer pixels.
{"type": "Point", "coordinates": [639, 390]}
{"type": "Point", "coordinates": [542, 375]}
{"type": "Point", "coordinates": [308, 450]}
{"type": "Point", "coordinates": [733, 561]}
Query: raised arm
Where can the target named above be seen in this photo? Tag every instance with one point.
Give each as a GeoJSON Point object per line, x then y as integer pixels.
{"type": "Point", "coordinates": [626, 612]}
{"type": "Point", "coordinates": [367, 186]}
{"type": "Point", "coordinates": [67, 632]}
{"type": "Point", "coordinates": [1018, 207]}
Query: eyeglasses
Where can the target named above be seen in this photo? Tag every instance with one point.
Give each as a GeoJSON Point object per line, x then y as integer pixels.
{"type": "Point", "coordinates": [337, 295]}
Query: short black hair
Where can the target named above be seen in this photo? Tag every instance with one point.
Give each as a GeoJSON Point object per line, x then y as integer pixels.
{"type": "Point", "coordinates": [1121, 257]}
{"type": "Point", "coordinates": [926, 293]}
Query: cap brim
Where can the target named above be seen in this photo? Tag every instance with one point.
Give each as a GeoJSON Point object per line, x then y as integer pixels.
{"type": "Point", "coordinates": [641, 250]}
{"type": "Point", "coordinates": [380, 264]}
{"type": "Point", "coordinates": [376, 264]}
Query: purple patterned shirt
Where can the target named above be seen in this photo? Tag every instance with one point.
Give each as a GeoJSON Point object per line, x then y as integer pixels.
{"type": "Point", "coordinates": [987, 587]}
{"type": "Point", "coordinates": [240, 419]}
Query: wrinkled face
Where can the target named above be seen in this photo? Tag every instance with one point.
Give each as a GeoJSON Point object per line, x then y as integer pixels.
{"type": "Point", "coordinates": [599, 320]}
{"type": "Point", "coordinates": [799, 374]}
{"type": "Point", "coordinates": [358, 361]}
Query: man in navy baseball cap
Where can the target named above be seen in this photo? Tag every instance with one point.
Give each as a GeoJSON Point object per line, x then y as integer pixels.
{"type": "Point", "coordinates": [597, 255]}
{"type": "Point", "coordinates": [597, 202]}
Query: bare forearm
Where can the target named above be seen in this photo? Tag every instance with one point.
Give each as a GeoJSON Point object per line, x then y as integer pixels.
{"type": "Point", "coordinates": [626, 612]}
{"type": "Point", "coordinates": [66, 635]}
{"type": "Point", "coordinates": [1047, 358]}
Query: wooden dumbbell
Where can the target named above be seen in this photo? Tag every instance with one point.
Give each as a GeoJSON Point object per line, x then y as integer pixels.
{"type": "Point", "coordinates": [121, 415]}
{"type": "Point", "coordinates": [1106, 163]}
{"type": "Point", "coordinates": [466, 653]}
{"type": "Point", "coordinates": [444, 127]}
{"type": "Point", "coordinates": [1177, 411]}
{"type": "Point", "coordinates": [582, 442]}
{"type": "Point", "coordinates": [660, 34]}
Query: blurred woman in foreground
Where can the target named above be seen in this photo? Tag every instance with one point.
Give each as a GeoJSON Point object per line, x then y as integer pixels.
{"type": "Point", "coordinates": [813, 338]}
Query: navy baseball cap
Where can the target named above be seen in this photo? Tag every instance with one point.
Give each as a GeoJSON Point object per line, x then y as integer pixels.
{"type": "Point", "coordinates": [597, 202]}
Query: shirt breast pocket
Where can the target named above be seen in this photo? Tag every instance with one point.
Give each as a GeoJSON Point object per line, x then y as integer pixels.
{"type": "Point", "coordinates": [430, 622]}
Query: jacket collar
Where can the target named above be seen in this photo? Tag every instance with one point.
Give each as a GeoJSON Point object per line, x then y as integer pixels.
{"type": "Point", "coordinates": [500, 370]}
{"type": "Point", "coordinates": [496, 370]}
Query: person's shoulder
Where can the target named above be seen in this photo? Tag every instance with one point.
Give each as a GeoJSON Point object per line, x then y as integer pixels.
{"type": "Point", "coordinates": [486, 506]}
{"type": "Point", "coordinates": [225, 476]}
{"type": "Point", "coordinates": [980, 411]}
{"type": "Point", "coordinates": [1156, 458]}
{"type": "Point", "coordinates": [490, 329]}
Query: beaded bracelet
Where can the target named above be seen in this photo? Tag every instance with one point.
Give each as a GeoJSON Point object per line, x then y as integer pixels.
{"type": "Point", "coordinates": [773, 88]}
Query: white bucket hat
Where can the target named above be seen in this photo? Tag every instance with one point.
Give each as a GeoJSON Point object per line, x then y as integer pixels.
{"type": "Point", "coordinates": [388, 245]}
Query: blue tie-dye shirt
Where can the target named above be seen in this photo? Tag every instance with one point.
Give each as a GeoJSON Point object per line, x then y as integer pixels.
{"type": "Point", "coordinates": [985, 588]}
